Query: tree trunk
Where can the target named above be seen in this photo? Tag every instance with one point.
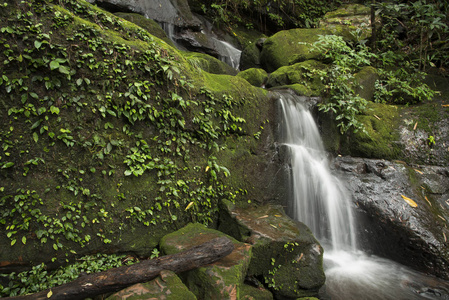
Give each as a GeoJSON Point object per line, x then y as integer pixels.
{"type": "Point", "coordinates": [119, 278]}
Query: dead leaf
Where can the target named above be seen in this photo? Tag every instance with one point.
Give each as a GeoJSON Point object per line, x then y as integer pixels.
{"type": "Point", "coordinates": [428, 200]}
{"type": "Point", "coordinates": [416, 125]}
{"type": "Point", "coordinates": [445, 239]}
{"type": "Point", "coordinates": [207, 169]}
{"type": "Point", "coordinates": [49, 294]}
{"type": "Point", "coordinates": [278, 216]}
{"type": "Point", "coordinates": [266, 216]}
{"type": "Point", "coordinates": [409, 201]}
{"type": "Point", "coordinates": [444, 105]}
{"type": "Point", "coordinates": [442, 218]}
{"type": "Point", "coordinates": [273, 226]}
{"type": "Point", "coordinates": [418, 171]}
{"type": "Point", "coordinates": [189, 205]}
{"type": "Point", "coordinates": [377, 117]}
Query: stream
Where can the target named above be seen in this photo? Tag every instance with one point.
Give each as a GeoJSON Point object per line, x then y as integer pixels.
{"type": "Point", "coordinates": [321, 201]}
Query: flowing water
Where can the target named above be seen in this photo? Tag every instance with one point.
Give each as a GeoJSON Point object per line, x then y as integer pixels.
{"type": "Point", "coordinates": [321, 201]}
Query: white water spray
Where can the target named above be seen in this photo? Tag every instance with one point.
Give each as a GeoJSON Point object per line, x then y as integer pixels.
{"type": "Point", "coordinates": [322, 203]}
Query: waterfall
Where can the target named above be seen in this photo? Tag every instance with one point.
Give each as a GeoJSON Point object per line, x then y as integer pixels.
{"type": "Point", "coordinates": [320, 200]}
{"type": "Point", "coordinates": [228, 53]}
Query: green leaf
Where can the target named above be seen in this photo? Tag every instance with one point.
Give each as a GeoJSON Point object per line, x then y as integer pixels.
{"type": "Point", "coordinates": [13, 242]}
{"type": "Point", "coordinates": [128, 172]}
{"type": "Point", "coordinates": [37, 44]}
{"type": "Point", "coordinates": [54, 110]}
{"type": "Point", "coordinates": [54, 65]}
{"type": "Point", "coordinates": [24, 240]}
{"type": "Point", "coordinates": [64, 70]}
{"type": "Point", "coordinates": [35, 137]}
{"type": "Point", "coordinates": [8, 165]}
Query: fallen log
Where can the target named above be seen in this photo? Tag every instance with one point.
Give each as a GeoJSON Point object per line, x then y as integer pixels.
{"type": "Point", "coordinates": [119, 278]}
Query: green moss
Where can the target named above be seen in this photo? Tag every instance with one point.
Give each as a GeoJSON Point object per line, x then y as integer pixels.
{"type": "Point", "coordinates": [288, 47]}
{"type": "Point", "coordinates": [255, 76]}
{"type": "Point", "coordinates": [149, 25]}
{"type": "Point", "coordinates": [301, 76]}
{"type": "Point", "coordinates": [209, 64]}
{"type": "Point", "coordinates": [365, 80]}
{"type": "Point", "coordinates": [381, 122]}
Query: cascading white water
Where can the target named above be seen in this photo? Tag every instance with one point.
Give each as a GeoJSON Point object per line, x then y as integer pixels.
{"type": "Point", "coordinates": [321, 202]}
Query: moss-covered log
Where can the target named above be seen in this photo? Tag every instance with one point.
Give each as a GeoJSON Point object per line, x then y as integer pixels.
{"type": "Point", "coordinates": [119, 278]}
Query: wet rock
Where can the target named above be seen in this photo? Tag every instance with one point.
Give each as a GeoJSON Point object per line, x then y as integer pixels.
{"type": "Point", "coordinates": [285, 253]}
{"type": "Point", "coordinates": [176, 12]}
{"type": "Point", "coordinates": [167, 286]}
{"type": "Point", "coordinates": [250, 57]}
{"type": "Point", "coordinates": [389, 223]}
{"type": "Point", "coordinates": [221, 280]}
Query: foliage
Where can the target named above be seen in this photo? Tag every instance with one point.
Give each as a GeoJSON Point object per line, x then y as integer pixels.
{"type": "Point", "coordinates": [417, 28]}
{"type": "Point", "coordinates": [39, 278]}
{"type": "Point", "coordinates": [342, 99]}
{"type": "Point", "coordinates": [268, 15]}
{"type": "Point", "coordinates": [90, 109]}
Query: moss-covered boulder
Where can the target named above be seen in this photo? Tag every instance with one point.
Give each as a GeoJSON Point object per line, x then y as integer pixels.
{"type": "Point", "coordinates": [381, 122]}
{"type": "Point", "coordinates": [288, 47]}
{"type": "Point", "coordinates": [365, 81]}
{"type": "Point", "coordinates": [301, 73]}
{"type": "Point", "coordinates": [166, 286]}
{"type": "Point", "coordinates": [220, 280]}
{"type": "Point", "coordinates": [352, 21]}
{"type": "Point", "coordinates": [255, 76]}
{"type": "Point", "coordinates": [285, 253]}
{"type": "Point", "coordinates": [250, 57]}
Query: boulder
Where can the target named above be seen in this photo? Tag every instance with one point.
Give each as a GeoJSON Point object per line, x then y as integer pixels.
{"type": "Point", "coordinates": [176, 12]}
{"type": "Point", "coordinates": [352, 21]}
{"type": "Point", "coordinates": [288, 47]}
{"type": "Point", "coordinates": [168, 286]}
{"type": "Point", "coordinates": [299, 74]}
{"type": "Point", "coordinates": [250, 57]}
{"type": "Point", "coordinates": [366, 79]}
{"type": "Point", "coordinates": [285, 253]}
{"type": "Point", "coordinates": [221, 280]}
{"type": "Point", "coordinates": [403, 211]}
{"type": "Point", "coordinates": [255, 76]}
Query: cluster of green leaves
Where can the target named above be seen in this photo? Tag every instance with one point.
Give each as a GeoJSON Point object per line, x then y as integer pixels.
{"type": "Point", "coordinates": [268, 15]}
{"type": "Point", "coordinates": [418, 28]}
{"type": "Point", "coordinates": [339, 80]}
{"type": "Point", "coordinates": [124, 111]}
{"type": "Point", "coordinates": [39, 278]}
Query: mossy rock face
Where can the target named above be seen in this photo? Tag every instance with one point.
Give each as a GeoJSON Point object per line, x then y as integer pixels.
{"type": "Point", "coordinates": [256, 77]}
{"type": "Point", "coordinates": [149, 25]}
{"type": "Point", "coordinates": [288, 47]}
{"type": "Point", "coordinates": [299, 74]}
{"type": "Point", "coordinates": [366, 79]}
{"type": "Point", "coordinates": [166, 286]}
{"type": "Point", "coordinates": [285, 252]}
{"type": "Point", "coordinates": [220, 280]}
{"type": "Point", "coordinates": [347, 19]}
{"type": "Point", "coordinates": [381, 121]}
{"type": "Point", "coordinates": [99, 142]}
{"type": "Point", "coordinates": [209, 63]}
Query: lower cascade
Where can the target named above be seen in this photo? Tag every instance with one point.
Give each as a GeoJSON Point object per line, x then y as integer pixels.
{"type": "Point", "coordinates": [320, 200]}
